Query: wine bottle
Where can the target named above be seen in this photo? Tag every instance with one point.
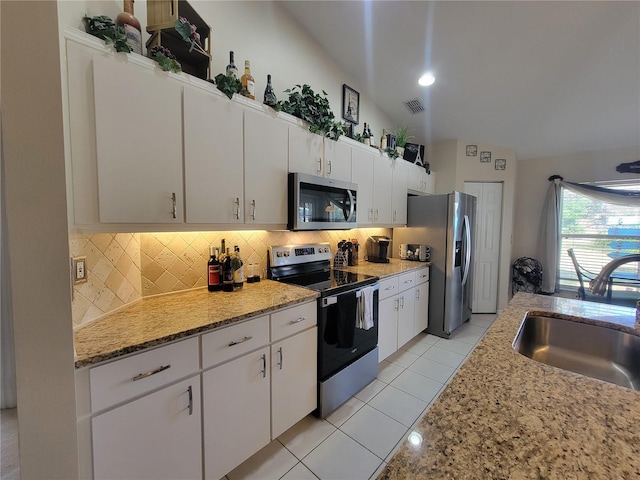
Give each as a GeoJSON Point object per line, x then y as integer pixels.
{"type": "Point", "coordinates": [269, 95]}
{"type": "Point", "coordinates": [213, 270]}
{"type": "Point", "coordinates": [365, 136]}
{"type": "Point", "coordinates": [232, 70]}
{"type": "Point", "coordinates": [372, 141]}
{"type": "Point", "coordinates": [248, 84]}
{"type": "Point", "coordinates": [223, 247]}
{"type": "Point", "coordinates": [227, 274]}
{"type": "Point", "coordinates": [131, 26]}
{"type": "Point", "coordinates": [238, 272]}
{"type": "Point", "coordinates": [383, 141]}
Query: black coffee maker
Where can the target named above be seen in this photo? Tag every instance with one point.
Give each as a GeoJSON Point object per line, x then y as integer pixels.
{"type": "Point", "coordinates": [378, 249]}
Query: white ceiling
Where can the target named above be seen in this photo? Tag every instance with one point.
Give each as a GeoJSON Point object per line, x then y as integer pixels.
{"type": "Point", "coordinates": [544, 78]}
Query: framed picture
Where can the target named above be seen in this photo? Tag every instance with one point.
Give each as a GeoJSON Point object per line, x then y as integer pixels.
{"type": "Point", "coordinates": [472, 150]}
{"type": "Point", "coordinates": [350, 105]}
{"type": "Point", "coordinates": [501, 164]}
{"type": "Point", "coordinates": [485, 157]}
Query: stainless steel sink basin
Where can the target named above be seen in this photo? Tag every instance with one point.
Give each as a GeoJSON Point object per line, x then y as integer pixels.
{"type": "Point", "coordinates": [594, 351]}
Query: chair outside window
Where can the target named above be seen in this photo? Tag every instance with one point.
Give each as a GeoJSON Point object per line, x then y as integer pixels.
{"type": "Point", "coordinates": [583, 274]}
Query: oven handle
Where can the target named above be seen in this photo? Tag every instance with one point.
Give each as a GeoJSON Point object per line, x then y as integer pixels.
{"type": "Point", "coordinates": [326, 301]}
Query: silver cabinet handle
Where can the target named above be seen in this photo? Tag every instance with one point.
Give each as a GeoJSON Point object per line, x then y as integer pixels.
{"type": "Point", "coordinates": [397, 304]}
{"type": "Point", "coordinates": [264, 366]}
{"type": "Point", "coordinates": [237, 204]}
{"type": "Point", "coordinates": [394, 215]}
{"type": "Point", "coordinates": [319, 169]}
{"type": "Point", "coordinates": [408, 281]}
{"type": "Point", "coordinates": [375, 215]}
{"type": "Point", "coordinates": [370, 214]}
{"type": "Point", "coordinates": [190, 392]}
{"type": "Point", "coordinates": [140, 376]}
{"type": "Point", "coordinates": [392, 287]}
{"type": "Point", "coordinates": [281, 358]}
{"type": "Point", "coordinates": [298, 320]}
{"type": "Point", "coordinates": [174, 201]}
{"type": "Point", "coordinates": [417, 294]}
{"type": "Point", "coordinates": [253, 214]}
{"type": "Point", "coordinates": [402, 301]}
{"type": "Point", "coordinates": [329, 165]}
{"type": "Point", "coordinates": [237, 342]}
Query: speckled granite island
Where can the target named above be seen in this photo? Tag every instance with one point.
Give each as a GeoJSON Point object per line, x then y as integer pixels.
{"type": "Point", "coordinates": [505, 416]}
{"type": "Point", "coordinates": [161, 319]}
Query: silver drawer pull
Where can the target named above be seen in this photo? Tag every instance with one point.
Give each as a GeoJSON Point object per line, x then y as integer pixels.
{"type": "Point", "coordinates": [301, 319]}
{"type": "Point", "coordinates": [408, 281]}
{"type": "Point", "coordinates": [236, 342]}
{"type": "Point", "coordinates": [390, 288]}
{"type": "Point", "coordinates": [161, 368]}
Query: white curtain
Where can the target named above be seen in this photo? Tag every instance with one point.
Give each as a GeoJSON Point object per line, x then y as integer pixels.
{"type": "Point", "coordinates": [8, 398]}
{"type": "Point", "coordinates": [550, 223]}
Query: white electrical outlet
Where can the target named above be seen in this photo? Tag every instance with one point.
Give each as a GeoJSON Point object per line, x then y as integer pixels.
{"type": "Point", "coordinates": [79, 269]}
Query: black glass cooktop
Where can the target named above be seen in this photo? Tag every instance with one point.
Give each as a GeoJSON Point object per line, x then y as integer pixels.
{"type": "Point", "coordinates": [330, 282]}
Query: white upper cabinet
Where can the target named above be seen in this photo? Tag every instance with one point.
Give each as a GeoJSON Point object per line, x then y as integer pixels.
{"type": "Point", "coordinates": [399, 192]}
{"type": "Point", "coordinates": [382, 190]}
{"type": "Point", "coordinates": [337, 160]}
{"type": "Point", "coordinates": [139, 144]}
{"type": "Point", "coordinates": [213, 158]}
{"type": "Point", "coordinates": [305, 151]}
{"type": "Point", "coordinates": [419, 182]}
{"type": "Point", "coordinates": [265, 169]}
{"type": "Point", "coordinates": [362, 175]}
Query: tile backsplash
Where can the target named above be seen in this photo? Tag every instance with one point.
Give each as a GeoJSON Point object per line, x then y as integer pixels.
{"type": "Point", "coordinates": [125, 267]}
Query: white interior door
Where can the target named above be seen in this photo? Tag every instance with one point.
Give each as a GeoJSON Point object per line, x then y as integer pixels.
{"type": "Point", "coordinates": [487, 244]}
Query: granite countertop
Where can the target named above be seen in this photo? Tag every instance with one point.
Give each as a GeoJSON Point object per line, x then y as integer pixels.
{"type": "Point", "coordinates": [160, 319]}
{"type": "Point", "coordinates": [394, 267]}
{"type": "Point", "coordinates": [505, 416]}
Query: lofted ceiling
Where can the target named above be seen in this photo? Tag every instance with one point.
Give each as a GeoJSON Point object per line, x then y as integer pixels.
{"type": "Point", "coordinates": [544, 78]}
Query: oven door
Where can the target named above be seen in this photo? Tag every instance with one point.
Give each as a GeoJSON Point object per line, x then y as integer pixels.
{"type": "Point", "coordinates": [317, 203]}
{"type": "Point", "coordinates": [342, 337]}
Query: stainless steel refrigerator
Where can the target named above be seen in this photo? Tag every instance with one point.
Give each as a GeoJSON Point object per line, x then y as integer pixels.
{"type": "Point", "coordinates": [445, 223]}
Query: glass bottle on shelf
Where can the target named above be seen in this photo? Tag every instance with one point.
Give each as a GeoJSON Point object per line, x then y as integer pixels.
{"type": "Point", "coordinates": [232, 70]}
{"type": "Point", "coordinates": [366, 139]}
{"type": "Point", "coordinates": [131, 26]}
{"type": "Point", "coordinates": [227, 273]}
{"type": "Point", "coordinates": [248, 83]}
{"type": "Point", "coordinates": [383, 140]}
{"type": "Point", "coordinates": [269, 95]}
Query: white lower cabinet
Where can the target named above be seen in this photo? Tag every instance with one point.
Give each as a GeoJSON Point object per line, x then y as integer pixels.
{"type": "Point", "coordinates": [237, 412]}
{"type": "Point", "coordinates": [294, 382]}
{"type": "Point", "coordinates": [402, 310]}
{"type": "Point", "coordinates": [154, 437]}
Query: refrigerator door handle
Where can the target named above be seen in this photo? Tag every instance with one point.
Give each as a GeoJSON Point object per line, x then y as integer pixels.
{"type": "Point", "coordinates": [467, 253]}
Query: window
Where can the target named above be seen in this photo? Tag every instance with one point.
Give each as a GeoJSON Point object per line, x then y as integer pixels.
{"type": "Point", "coordinates": [599, 232]}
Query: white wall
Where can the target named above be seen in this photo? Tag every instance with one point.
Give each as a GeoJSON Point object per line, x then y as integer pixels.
{"type": "Point", "coordinates": [265, 34]}
{"type": "Point", "coordinates": [35, 197]}
{"type": "Point", "coordinates": [532, 184]}
{"type": "Point", "coordinates": [454, 168]}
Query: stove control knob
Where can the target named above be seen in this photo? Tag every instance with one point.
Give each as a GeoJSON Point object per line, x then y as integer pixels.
{"type": "Point", "coordinates": [279, 254]}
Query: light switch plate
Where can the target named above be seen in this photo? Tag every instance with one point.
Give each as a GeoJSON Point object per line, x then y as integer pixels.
{"type": "Point", "coordinates": [79, 270]}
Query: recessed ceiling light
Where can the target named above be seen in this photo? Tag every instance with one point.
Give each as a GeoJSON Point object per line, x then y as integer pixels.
{"type": "Point", "coordinates": [426, 79]}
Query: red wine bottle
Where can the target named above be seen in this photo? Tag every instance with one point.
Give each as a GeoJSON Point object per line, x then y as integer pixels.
{"type": "Point", "coordinates": [213, 270]}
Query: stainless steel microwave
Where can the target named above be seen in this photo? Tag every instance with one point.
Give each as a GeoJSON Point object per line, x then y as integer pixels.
{"type": "Point", "coordinates": [318, 203]}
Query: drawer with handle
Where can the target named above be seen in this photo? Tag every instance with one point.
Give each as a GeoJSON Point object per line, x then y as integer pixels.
{"type": "Point", "coordinates": [422, 275]}
{"type": "Point", "coordinates": [406, 281]}
{"type": "Point", "coordinates": [388, 287]}
{"type": "Point", "coordinates": [230, 342]}
{"type": "Point", "coordinates": [293, 320]}
{"type": "Point", "coordinates": [129, 377]}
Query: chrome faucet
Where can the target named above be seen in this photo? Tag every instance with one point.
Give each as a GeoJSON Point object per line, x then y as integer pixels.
{"type": "Point", "coordinates": [598, 286]}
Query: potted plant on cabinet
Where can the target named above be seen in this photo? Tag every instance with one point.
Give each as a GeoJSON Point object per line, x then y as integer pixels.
{"type": "Point", "coordinates": [402, 137]}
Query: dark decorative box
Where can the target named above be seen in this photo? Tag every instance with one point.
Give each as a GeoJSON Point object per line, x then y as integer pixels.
{"type": "Point", "coordinates": [414, 153]}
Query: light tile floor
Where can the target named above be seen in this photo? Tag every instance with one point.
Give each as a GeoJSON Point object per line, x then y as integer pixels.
{"type": "Point", "coordinates": [357, 440]}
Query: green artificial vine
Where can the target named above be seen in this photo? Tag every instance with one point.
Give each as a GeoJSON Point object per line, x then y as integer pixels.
{"type": "Point", "coordinates": [228, 85]}
{"type": "Point", "coordinates": [392, 152]}
{"type": "Point", "coordinates": [104, 28]}
{"type": "Point", "coordinates": [314, 109]}
{"type": "Point", "coordinates": [165, 59]}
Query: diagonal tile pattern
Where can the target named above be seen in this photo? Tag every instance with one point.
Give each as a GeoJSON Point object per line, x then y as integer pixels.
{"type": "Point", "coordinates": [357, 440]}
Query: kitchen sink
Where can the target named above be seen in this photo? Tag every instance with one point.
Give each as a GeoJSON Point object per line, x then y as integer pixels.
{"type": "Point", "coordinates": [591, 350]}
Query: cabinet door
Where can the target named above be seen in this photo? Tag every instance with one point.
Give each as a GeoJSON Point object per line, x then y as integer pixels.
{"type": "Point", "coordinates": [421, 308]}
{"type": "Point", "coordinates": [362, 175]}
{"type": "Point", "coordinates": [138, 144]}
{"type": "Point", "coordinates": [236, 412]}
{"type": "Point", "coordinates": [154, 437]}
{"type": "Point", "coordinates": [382, 187]}
{"type": "Point", "coordinates": [399, 193]}
{"type": "Point", "coordinates": [337, 160]}
{"type": "Point", "coordinates": [305, 151]}
{"type": "Point", "coordinates": [406, 317]}
{"type": "Point", "coordinates": [387, 327]}
{"type": "Point", "coordinates": [265, 169]}
{"type": "Point", "coordinates": [213, 158]}
{"type": "Point", "coordinates": [294, 384]}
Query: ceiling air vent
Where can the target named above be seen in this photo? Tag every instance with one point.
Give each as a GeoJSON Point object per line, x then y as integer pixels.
{"type": "Point", "coordinates": [414, 106]}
